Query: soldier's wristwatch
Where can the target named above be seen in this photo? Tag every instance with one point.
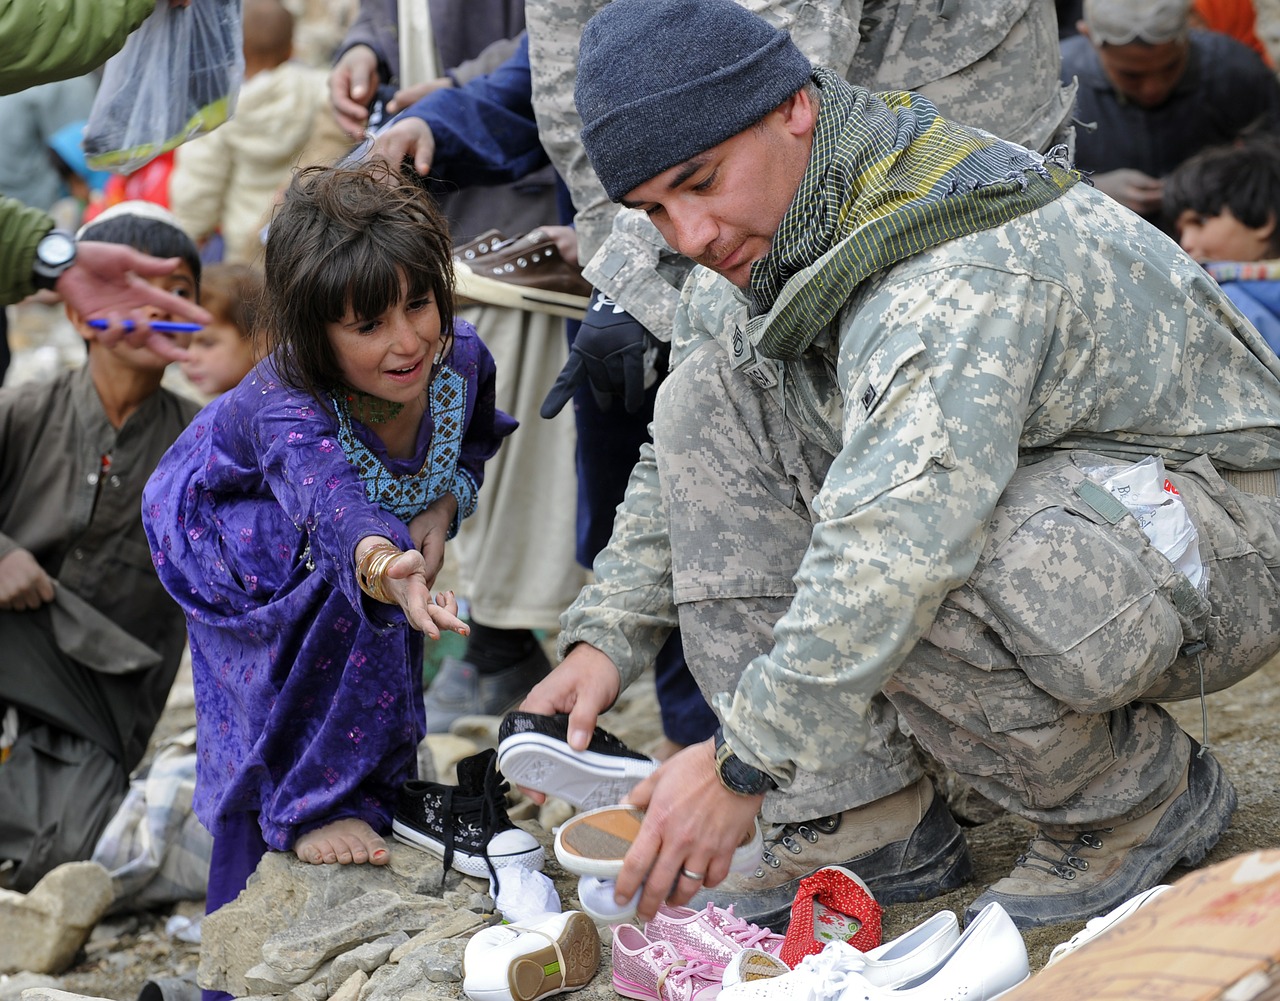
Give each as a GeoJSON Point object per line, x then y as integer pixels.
{"type": "Point", "coordinates": [55, 253]}
{"type": "Point", "coordinates": [738, 776]}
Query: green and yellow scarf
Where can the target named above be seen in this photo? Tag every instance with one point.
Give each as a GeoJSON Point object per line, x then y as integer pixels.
{"type": "Point", "coordinates": [888, 178]}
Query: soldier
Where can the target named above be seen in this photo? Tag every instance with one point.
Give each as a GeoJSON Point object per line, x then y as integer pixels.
{"type": "Point", "coordinates": [914, 364]}
{"type": "Point", "coordinates": [993, 65]}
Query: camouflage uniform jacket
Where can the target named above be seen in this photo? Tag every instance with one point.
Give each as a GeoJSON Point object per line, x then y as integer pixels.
{"type": "Point", "coordinates": [1077, 326]}
{"type": "Point", "coordinates": [986, 63]}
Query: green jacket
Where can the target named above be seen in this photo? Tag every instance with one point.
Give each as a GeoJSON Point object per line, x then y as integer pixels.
{"type": "Point", "coordinates": [40, 41]}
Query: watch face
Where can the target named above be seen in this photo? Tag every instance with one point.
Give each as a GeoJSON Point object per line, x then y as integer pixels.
{"type": "Point", "coordinates": [56, 249]}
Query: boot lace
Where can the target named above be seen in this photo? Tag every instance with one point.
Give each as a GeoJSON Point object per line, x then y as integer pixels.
{"type": "Point", "coordinates": [481, 815]}
{"type": "Point", "coordinates": [1067, 862]}
{"type": "Point", "coordinates": [788, 837]}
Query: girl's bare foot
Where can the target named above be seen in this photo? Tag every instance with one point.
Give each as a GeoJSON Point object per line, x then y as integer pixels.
{"type": "Point", "coordinates": [344, 842]}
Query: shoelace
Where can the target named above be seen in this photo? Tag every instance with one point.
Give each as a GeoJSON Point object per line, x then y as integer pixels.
{"type": "Point", "coordinates": [786, 837]}
{"type": "Point", "coordinates": [678, 969]}
{"type": "Point", "coordinates": [742, 931]}
{"type": "Point", "coordinates": [1068, 863]}
{"type": "Point", "coordinates": [485, 812]}
{"type": "Point", "coordinates": [828, 971]}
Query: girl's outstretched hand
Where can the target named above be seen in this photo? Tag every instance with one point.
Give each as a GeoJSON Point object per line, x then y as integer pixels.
{"type": "Point", "coordinates": [407, 581]}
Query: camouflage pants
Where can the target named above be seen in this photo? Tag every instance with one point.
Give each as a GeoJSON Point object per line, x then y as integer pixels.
{"type": "Point", "coordinates": [1039, 678]}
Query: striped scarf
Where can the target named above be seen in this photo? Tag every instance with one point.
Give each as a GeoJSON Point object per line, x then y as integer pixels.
{"type": "Point", "coordinates": [887, 178]}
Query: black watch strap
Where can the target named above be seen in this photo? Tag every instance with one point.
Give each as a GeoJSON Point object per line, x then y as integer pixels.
{"type": "Point", "coordinates": [738, 776]}
{"type": "Point", "coordinates": [55, 253]}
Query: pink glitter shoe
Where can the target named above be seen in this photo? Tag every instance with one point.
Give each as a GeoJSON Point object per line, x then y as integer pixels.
{"type": "Point", "coordinates": [654, 971]}
{"type": "Point", "coordinates": [712, 935]}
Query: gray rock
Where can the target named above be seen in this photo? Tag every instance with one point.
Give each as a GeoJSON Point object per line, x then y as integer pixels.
{"type": "Point", "coordinates": [263, 979]}
{"type": "Point", "coordinates": [435, 963]}
{"type": "Point", "coordinates": [313, 904]}
{"type": "Point", "coordinates": [365, 958]}
{"type": "Point", "coordinates": [50, 994]}
{"type": "Point", "coordinates": [297, 951]}
{"type": "Point", "coordinates": [460, 923]}
{"type": "Point", "coordinates": [11, 988]}
{"type": "Point", "coordinates": [42, 931]}
{"type": "Point", "coordinates": [351, 987]}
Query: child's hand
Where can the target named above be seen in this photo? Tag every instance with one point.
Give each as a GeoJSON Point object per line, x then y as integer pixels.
{"type": "Point", "coordinates": [406, 581]}
{"type": "Point", "coordinates": [430, 529]}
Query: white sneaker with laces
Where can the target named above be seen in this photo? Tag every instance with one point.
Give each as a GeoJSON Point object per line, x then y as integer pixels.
{"type": "Point", "coordinates": [929, 963]}
{"type": "Point", "coordinates": [887, 965]}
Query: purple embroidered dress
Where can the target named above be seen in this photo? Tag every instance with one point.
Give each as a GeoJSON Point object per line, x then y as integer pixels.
{"type": "Point", "coordinates": [308, 693]}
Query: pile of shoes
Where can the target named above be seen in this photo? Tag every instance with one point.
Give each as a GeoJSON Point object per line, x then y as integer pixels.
{"type": "Point", "coordinates": [523, 272]}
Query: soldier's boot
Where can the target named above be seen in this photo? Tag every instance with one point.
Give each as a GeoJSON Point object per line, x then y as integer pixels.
{"type": "Point", "coordinates": [905, 847]}
{"type": "Point", "coordinates": [1073, 874]}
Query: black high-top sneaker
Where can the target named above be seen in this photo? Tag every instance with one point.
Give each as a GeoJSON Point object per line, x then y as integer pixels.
{"type": "Point", "coordinates": [467, 824]}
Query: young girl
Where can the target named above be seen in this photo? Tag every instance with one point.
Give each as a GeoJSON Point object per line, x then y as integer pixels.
{"type": "Point", "coordinates": [225, 351]}
{"type": "Point", "coordinates": [300, 522]}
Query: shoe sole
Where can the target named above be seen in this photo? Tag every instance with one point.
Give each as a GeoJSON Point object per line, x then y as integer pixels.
{"type": "Point", "coordinates": [594, 843]}
{"type": "Point", "coordinates": [1202, 831]}
{"type": "Point", "coordinates": [490, 291]}
{"type": "Point", "coordinates": [472, 865]}
{"type": "Point", "coordinates": [586, 779]}
{"type": "Point", "coordinates": [538, 974]}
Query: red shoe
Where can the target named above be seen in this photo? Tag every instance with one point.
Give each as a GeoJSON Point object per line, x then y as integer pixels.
{"type": "Point", "coordinates": [831, 905]}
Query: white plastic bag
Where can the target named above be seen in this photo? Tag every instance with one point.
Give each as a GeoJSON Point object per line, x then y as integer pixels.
{"type": "Point", "coordinates": [177, 76]}
{"type": "Point", "coordinates": [1145, 489]}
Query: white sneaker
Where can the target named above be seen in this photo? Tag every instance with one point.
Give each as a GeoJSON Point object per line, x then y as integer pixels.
{"type": "Point", "coordinates": [929, 963]}
{"type": "Point", "coordinates": [558, 953]}
{"type": "Point", "coordinates": [887, 965]}
{"type": "Point", "coordinates": [1096, 926]}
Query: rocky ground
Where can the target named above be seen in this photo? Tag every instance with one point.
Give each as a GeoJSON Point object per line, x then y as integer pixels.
{"type": "Point", "coordinates": [124, 952]}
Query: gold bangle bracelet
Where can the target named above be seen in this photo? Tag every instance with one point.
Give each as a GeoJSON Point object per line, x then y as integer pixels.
{"type": "Point", "coordinates": [371, 571]}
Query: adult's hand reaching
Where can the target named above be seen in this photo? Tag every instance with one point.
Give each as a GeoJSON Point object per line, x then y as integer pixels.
{"type": "Point", "coordinates": [352, 84]}
{"type": "Point", "coordinates": [108, 281]}
{"type": "Point", "coordinates": [584, 685]}
{"type": "Point", "coordinates": [692, 823]}
{"type": "Point", "coordinates": [409, 137]}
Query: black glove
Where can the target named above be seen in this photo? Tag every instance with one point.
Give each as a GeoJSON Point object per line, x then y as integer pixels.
{"type": "Point", "coordinates": [610, 354]}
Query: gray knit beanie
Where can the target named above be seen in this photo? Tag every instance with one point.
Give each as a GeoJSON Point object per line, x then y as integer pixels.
{"type": "Point", "coordinates": [660, 81]}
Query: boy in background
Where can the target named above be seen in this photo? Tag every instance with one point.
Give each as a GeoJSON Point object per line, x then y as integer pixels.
{"type": "Point", "coordinates": [1225, 203]}
{"type": "Point", "coordinates": [222, 354]}
{"type": "Point", "coordinates": [91, 640]}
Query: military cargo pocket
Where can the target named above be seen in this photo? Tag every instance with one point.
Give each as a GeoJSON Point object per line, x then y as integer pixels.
{"type": "Point", "coordinates": [1079, 611]}
{"type": "Point", "coordinates": [1044, 751]}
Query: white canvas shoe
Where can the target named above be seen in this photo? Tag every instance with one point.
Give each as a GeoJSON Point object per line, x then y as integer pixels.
{"type": "Point", "coordinates": [1096, 926]}
{"type": "Point", "coordinates": [558, 953]}
{"type": "Point", "coordinates": [929, 963]}
{"type": "Point", "coordinates": [887, 965]}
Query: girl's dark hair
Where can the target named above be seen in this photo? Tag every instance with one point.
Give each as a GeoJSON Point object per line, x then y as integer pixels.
{"type": "Point", "coordinates": [151, 236]}
{"type": "Point", "coordinates": [345, 237]}
{"type": "Point", "coordinates": [1243, 177]}
{"type": "Point", "coordinates": [233, 293]}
